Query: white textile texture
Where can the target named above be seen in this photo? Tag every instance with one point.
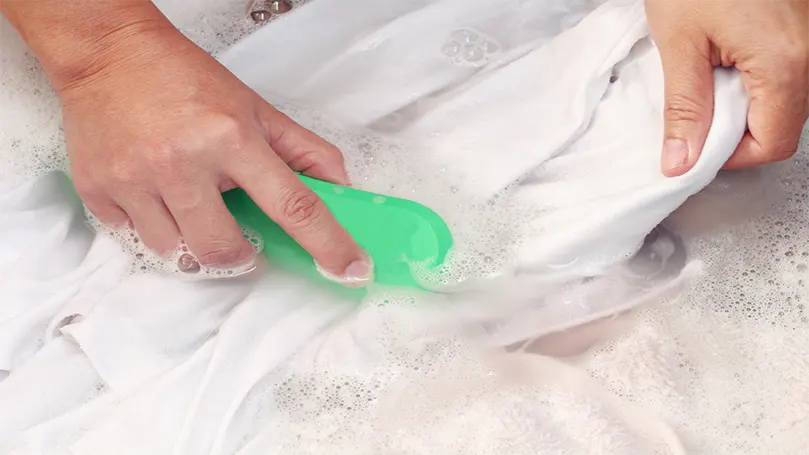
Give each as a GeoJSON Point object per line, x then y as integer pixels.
{"type": "Point", "coordinates": [534, 128]}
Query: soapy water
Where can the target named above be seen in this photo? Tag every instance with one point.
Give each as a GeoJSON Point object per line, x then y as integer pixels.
{"type": "Point", "coordinates": [487, 231]}
{"type": "Point", "coordinates": [742, 325]}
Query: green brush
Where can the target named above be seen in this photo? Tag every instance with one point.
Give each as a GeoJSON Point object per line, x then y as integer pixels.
{"type": "Point", "coordinates": [396, 233]}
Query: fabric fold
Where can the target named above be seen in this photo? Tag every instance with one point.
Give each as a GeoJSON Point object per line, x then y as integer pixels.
{"type": "Point", "coordinates": [556, 106]}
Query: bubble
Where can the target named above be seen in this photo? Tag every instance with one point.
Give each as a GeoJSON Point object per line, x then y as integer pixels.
{"type": "Point", "coordinates": [188, 264]}
{"type": "Point", "coordinates": [451, 49]}
{"type": "Point", "coordinates": [743, 290]}
{"type": "Point", "coordinates": [472, 53]}
{"type": "Point", "coordinates": [255, 239]}
{"type": "Point", "coordinates": [465, 36]}
{"type": "Point", "coordinates": [490, 46]}
{"type": "Point", "coordinates": [261, 15]}
{"type": "Point", "coordinates": [280, 7]}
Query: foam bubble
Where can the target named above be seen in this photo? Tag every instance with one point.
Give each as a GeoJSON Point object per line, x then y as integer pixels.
{"type": "Point", "coordinates": [740, 330]}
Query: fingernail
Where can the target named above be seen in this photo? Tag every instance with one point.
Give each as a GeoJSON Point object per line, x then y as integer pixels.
{"type": "Point", "coordinates": [358, 274]}
{"type": "Point", "coordinates": [675, 156]}
{"type": "Point", "coordinates": [360, 271]}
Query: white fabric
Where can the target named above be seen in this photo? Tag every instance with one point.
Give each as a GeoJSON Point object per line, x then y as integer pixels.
{"type": "Point", "coordinates": [102, 361]}
{"type": "Point", "coordinates": [186, 395]}
{"type": "Point", "coordinates": [601, 191]}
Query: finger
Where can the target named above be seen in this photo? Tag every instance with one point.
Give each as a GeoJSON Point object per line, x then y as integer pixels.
{"type": "Point", "coordinates": [300, 213]}
{"type": "Point", "coordinates": [153, 222]}
{"type": "Point", "coordinates": [210, 231]}
{"type": "Point", "coordinates": [107, 212]}
{"type": "Point", "coordinates": [303, 150]}
{"type": "Point", "coordinates": [688, 110]}
{"type": "Point", "coordinates": [99, 203]}
{"type": "Point", "coordinates": [775, 123]}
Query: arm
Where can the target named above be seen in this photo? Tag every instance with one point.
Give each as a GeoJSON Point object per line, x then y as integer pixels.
{"type": "Point", "coordinates": [75, 39]}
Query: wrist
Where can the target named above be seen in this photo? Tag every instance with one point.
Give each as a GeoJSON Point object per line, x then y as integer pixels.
{"type": "Point", "coordinates": [77, 41]}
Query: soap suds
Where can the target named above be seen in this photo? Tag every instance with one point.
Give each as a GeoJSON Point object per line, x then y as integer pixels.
{"type": "Point", "coordinates": [726, 365]}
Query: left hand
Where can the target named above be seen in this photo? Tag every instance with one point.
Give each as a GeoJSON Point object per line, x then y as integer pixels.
{"type": "Point", "coordinates": [766, 40]}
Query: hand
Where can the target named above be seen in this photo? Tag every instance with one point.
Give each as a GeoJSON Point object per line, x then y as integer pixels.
{"type": "Point", "coordinates": [161, 129]}
{"type": "Point", "coordinates": [766, 40]}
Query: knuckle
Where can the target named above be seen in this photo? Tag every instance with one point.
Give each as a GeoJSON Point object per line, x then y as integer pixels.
{"type": "Point", "coordinates": [300, 209]}
{"type": "Point", "coordinates": [795, 55]}
{"type": "Point", "coordinates": [229, 130]}
{"type": "Point", "coordinates": [166, 160]}
{"type": "Point", "coordinates": [121, 172]}
{"type": "Point", "coordinates": [333, 153]}
{"type": "Point", "coordinates": [312, 158]}
{"type": "Point", "coordinates": [88, 189]}
{"type": "Point", "coordinates": [787, 69]}
{"type": "Point", "coordinates": [183, 200]}
{"type": "Point", "coordinates": [682, 108]}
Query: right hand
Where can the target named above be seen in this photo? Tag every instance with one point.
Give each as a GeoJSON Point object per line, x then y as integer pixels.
{"type": "Point", "coordinates": [158, 131]}
{"type": "Point", "coordinates": [767, 42]}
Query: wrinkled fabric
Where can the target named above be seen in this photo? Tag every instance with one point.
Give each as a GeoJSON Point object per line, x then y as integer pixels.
{"type": "Point", "coordinates": [560, 102]}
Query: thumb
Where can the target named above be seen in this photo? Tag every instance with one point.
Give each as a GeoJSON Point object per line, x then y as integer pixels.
{"type": "Point", "coordinates": [688, 111]}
